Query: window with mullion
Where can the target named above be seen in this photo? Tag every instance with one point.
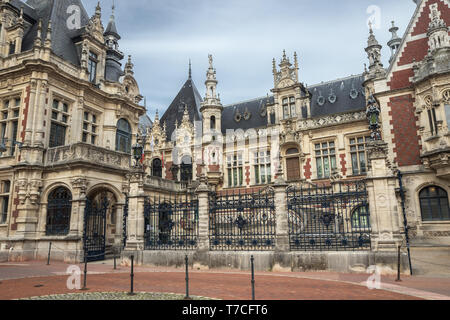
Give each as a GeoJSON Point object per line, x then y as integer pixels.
{"type": "Point", "coordinates": [433, 121]}
{"type": "Point", "coordinates": [60, 120]}
{"type": "Point", "coordinates": [89, 132]}
{"type": "Point", "coordinates": [358, 154]}
{"type": "Point", "coordinates": [4, 200]}
{"type": "Point", "coordinates": [325, 159]}
{"type": "Point", "coordinates": [262, 167]}
{"type": "Point", "coordinates": [9, 124]}
{"type": "Point", "coordinates": [235, 170]}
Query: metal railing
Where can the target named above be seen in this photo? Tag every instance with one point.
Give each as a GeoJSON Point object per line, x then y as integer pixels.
{"type": "Point", "coordinates": [242, 221]}
{"type": "Point", "coordinates": [329, 217]}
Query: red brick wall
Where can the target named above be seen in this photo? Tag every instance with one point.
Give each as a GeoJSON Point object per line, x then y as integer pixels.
{"type": "Point", "coordinates": [247, 175]}
{"type": "Point", "coordinates": [168, 166]}
{"type": "Point", "coordinates": [424, 20]}
{"type": "Point", "coordinates": [401, 79]}
{"type": "Point", "coordinates": [25, 113]}
{"type": "Point", "coordinates": [405, 130]}
{"type": "Point", "coordinates": [414, 50]}
{"type": "Point", "coordinates": [307, 169]}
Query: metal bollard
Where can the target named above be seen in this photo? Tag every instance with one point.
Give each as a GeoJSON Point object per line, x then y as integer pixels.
{"type": "Point", "coordinates": [131, 293]}
{"type": "Point", "coordinates": [85, 274]}
{"type": "Point", "coordinates": [253, 277]}
{"type": "Point", "coordinates": [187, 279]}
{"type": "Point", "coordinates": [49, 250]}
{"type": "Point", "coordinates": [115, 267]}
{"type": "Point", "coordinates": [398, 265]}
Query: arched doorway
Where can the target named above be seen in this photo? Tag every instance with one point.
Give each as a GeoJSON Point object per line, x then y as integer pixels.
{"type": "Point", "coordinates": [100, 224]}
{"type": "Point", "coordinates": [292, 156]}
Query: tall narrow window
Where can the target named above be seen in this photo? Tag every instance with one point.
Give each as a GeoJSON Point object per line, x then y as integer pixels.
{"type": "Point", "coordinates": [359, 155]}
{"type": "Point", "coordinates": [213, 122]}
{"type": "Point", "coordinates": [325, 159]}
{"type": "Point", "coordinates": [92, 67]}
{"type": "Point", "coordinates": [235, 170]}
{"type": "Point", "coordinates": [434, 204]}
{"type": "Point", "coordinates": [292, 107]}
{"type": "Point", "coordinates": [12, 47]}
{"type": "Point", "coordinates": [5, 187]}
{"type": "Point", "coordinates": [157, 168]}
{"type": "Point", "coordinates": [60, 120]}
{"type": "Point", "coordinates": [262, 167]}
{"type": "Point", "coordinates": [59, 209]}
{"type": "Point", "coordinates": [90, 130]}
{"type": "Point", "coordinates": [186, 169]}
{"type": "Point", "coordinates": [9, 125]}
{"type": "Point", "coordinates": [289, 108]}
{"type": "Point", "coordinates": [433, 121]}
{"type": "Point", "coordinates": [123, 136]}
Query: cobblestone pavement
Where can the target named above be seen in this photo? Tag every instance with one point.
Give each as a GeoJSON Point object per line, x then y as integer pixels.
{"type": "Point", "coordinates": [35, 278]}
{"type": "Point", "coordinates": [114, 296]}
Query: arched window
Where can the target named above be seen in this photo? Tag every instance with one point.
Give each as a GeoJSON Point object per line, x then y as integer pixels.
{"type": "Point", "coordinates": [157, 168]}
{"type": "Point", "coordinates": [361, 217]}
{"type": "Point", "coordinates": [58, 212]}
{"type": "Point", "coordinates": [123, 136]}
{"type": "Point", "coordinates": [434, 204]}
{"type": "Point", "coordinates": [213, 122]}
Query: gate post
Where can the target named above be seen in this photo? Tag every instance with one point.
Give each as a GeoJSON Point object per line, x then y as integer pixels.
{"type": "Point", "coordinates": [135, 222]}
{"type": "Point", "coordinates": [381, 187]}
{"type": "Point", "coordinates": [281, 214]}
{"type": "Point", "coordinates": [203, 215]}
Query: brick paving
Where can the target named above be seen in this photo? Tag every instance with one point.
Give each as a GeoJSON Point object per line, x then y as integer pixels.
{"type": "Point", "coordinates": [31, 279]}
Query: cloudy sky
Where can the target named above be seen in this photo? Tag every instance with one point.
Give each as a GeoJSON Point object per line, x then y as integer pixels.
{"type": "Point", "coordinates": [244, 36]}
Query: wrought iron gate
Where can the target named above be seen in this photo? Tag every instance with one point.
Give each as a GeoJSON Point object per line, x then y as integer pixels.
{"type": "Point", "coordinates": [171, 223]}
{"type": "Point", "coordinates": [329, 218]}
{"type": "Point", "coordinates": [95, 230]}
{"type": "Point", "coordinates": [242, 221]}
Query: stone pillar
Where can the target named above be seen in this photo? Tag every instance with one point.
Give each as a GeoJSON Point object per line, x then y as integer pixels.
{"type": "Point", "coordinates": [381, 185]}
{"type": "Point", "coordinates": [135, 222]}
{"type": "Point", "coordinates": [29, 202]}
{"type": "Point", "coordinates": [281, 214]}
{"type": "Point", "coordinates": [201, 257]}
{"type": "Point", "coordinates": [203, 216]}
{"type": "Point", "coordinates": [78, 205]}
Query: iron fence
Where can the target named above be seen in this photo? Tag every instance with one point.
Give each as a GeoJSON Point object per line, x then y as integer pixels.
{"type": "Point", "coordinates": [171, 222]}
{"type": "Point", "coordinates": [242, 221]}
{"type": "Point", "coordinates": [330, 217]}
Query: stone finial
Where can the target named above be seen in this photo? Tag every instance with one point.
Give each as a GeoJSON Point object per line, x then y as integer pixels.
{"type": "Point", "coordinates": [48, 38]}
{"type": "Point", "coordinates": [190, 69]}
{"type": "Point", "coordinates": [38, 40]}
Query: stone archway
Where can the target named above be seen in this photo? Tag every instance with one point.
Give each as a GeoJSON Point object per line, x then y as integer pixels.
{"type": "Point", "coordinates": [101, 223]}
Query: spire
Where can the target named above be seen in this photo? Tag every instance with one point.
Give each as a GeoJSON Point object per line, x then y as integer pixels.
{"type": "Point", "coordinates": [211, 81]}
{"type": "Point", "coordinates": [437, 30]}
{"type": "Point", "coordinates": [48, 38]}
{"type": "Point", "coordinates": [373, 50]}
{"type": "Point", "coordinates": [190, 70]}
{"type": "Point", "coordinates": [129, 66]}
{"type": "Point", "coordinates": [111, 29]}
{"type": "Point", "coordinates": [38, 40]}
{"type": "Point", "coordinates": [98, 10]}
{"type": "Point", "coordinates": [395, 41]}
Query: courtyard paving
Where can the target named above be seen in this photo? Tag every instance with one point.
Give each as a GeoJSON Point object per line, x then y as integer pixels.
{"type": "Point", "coordinates": [35, 279]}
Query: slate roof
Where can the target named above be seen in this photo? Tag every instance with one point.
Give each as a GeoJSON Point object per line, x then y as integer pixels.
{"type": "Point", "coordinates": [56, 11]}
{"type": "Point", "coordinates": [256, 110]}
{"type": "Point", "coordinates": [145, 122]}
{"type": "Point", "coordinates": [188, 95]}
{"type": "Point", "coordinates": [337, 96]}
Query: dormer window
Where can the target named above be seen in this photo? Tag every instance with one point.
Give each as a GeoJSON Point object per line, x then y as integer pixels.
{"type": "Point", "coordinates": [92, 67]}
{"type": "Point", "coordinates": [289, 110]}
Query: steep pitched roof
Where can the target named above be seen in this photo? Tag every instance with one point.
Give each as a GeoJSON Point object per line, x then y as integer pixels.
{"type": "Point", "coordinates": [187, 96]}
{"type": "Point", "coordinates": [56, 11]}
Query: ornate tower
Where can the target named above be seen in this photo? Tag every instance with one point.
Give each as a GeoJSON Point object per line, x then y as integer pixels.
{"type": "Point", "coordinates": [395, 42]}
{"type": "Point", "coordinates": [211, 107]}
{"type": "Point", "coordinates": [373, 50]}
{"type": "Point", "coordinates": [437, 31]}
{"type": "Point", "coordinates": [113, 70]}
